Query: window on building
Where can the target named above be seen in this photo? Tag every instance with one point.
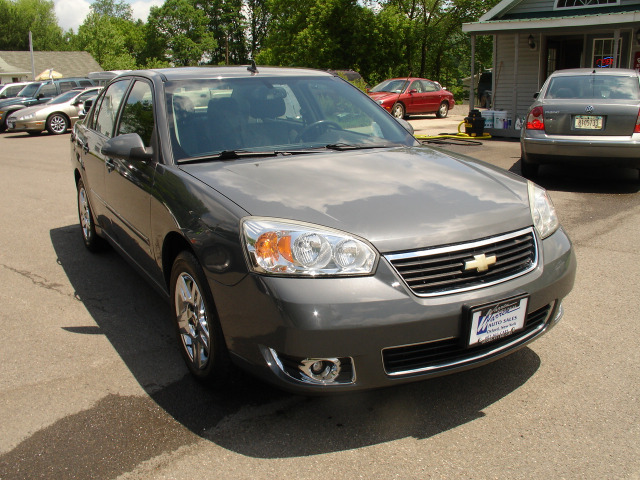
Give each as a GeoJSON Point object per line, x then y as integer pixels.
{"type": "Point", "coordinates": [585, 3]}
{"type": "Point", "coordinates": [603, 55]}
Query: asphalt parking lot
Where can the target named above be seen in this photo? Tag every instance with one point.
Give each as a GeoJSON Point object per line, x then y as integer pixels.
{"type": "Point", "coordinates": [92, 384]}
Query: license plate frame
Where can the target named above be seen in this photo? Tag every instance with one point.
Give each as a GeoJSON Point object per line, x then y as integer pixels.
{"type": "Point", "coordinates": [588, 122]}
{"type": "Point", "coordinates": [496, 320]}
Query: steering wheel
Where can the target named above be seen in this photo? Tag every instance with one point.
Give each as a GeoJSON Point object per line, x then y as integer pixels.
{"type": "Point", "coordinates": [321, 125]}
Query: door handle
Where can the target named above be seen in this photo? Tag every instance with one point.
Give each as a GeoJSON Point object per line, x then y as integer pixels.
{"type": "Point", "coordinates": [110, 164]}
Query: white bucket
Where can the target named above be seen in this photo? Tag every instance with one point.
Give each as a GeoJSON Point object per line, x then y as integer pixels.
{"type": "Point", "coordinates": [500, 119]}
{"type": "Point", "coordinates": [488, 118]}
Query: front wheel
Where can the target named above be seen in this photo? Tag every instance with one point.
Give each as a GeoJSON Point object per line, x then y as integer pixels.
{"type": "Point", "coordinates": [199, 333]}
{"type": "Point", "coordinates": [443, 111]}
{"type": "Point", "coordinates": [398, 111]}
{"type": "Point", "coordinates": [57, 124]}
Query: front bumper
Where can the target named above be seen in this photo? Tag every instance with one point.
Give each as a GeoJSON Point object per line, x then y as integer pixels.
{"type": "Point", "coordinates": [623, 151]}
{"type": "Point", "coordinates": [361, 320]}
{"type": "Point", "coordinates": [26, 126]}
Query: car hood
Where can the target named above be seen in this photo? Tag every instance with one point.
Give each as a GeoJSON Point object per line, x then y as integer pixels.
{"type": "Point", "coordinates": [13, 101]}
{"type": "Point", "coordinates": [398, 199]}
{"type": "Point", "coordinates": [383, 95]}
{"type": "Point", "coordinates": [28, 110]}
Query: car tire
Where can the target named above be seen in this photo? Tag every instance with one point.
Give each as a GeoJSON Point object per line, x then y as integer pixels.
{"type": "Point", "coordinates": [198, 330]}
{"type": "Point", "coordinates": [528, 168]}
{"type": "Point", "coordinates": [398, 111]}
{"type": "Point", "coordinates": [57, 124]}
{"type": "Point", "coordinates": [443, 110]}
{"type": "Point", "coordinates": [91, 239]}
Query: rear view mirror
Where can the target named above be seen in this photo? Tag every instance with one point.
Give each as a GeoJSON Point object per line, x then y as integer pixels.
{"type": "Point", "coordinates": [407, 126]}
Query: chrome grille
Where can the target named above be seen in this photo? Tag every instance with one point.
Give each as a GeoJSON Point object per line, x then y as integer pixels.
{"type": "Point", "coordinates": [451, 352]}
{"type": "Point", "coordinates": [440, 271]}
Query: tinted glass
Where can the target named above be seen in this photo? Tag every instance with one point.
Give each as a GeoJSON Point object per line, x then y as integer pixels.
{"type": "Point", "coordinates": [29, 90]}
{"type": "Point", "coordinates": [137, 113]}
{"type": "Point", "coordinates": [65, 97]}
{"type": "Point", "coordinates": [66, 86]}
{"type": "Point", "coordinates": [289, 113]}
{"type": "Point", "coordinates": [48, 90]}
{"type": "Point", "coordinates": [594, 87]}
{"type": "Point", "coordinates": [106, 115]}
{"type": "Point", "coordinates": [394, 86]}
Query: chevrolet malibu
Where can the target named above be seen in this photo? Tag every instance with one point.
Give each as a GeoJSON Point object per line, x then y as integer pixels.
{"type": "Point", "coordinates": [300, 232]}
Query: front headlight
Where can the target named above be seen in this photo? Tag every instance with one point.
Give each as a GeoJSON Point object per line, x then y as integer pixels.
{"type": "Point", "coordinates": [542, 211]}
{"type": "Point", "coordinates": [379, 102]}
{"type": "Point", "coordinates": [26, 117]}
{"type": "Point", "coordinates": [282, 247]}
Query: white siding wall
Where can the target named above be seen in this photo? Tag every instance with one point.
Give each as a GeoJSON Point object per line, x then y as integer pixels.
{"type": "Point", "coordinates": [515, 74]}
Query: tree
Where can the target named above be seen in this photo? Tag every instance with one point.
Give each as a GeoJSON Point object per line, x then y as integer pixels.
{"type": "Point", "coordinates": [227, 24]}
{"type": "Point", "coordinates": [111, 35]}
{"type": "Point", "coordinates": [177, 32]}
{"type": "Point", "coordinates": [19, 17]}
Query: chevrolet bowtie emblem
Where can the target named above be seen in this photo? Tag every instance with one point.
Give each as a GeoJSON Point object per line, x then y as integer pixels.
{"type": "Point", "coordinates": [480, 263]}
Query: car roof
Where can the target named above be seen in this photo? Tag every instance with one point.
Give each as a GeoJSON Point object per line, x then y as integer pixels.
{"type": "Point", "coordinates": [597, 71]}
{"type": "Point", "coordinates": [182, 73]}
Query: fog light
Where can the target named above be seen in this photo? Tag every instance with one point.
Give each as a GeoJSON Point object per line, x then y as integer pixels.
{"type": "Point", "coordinates": [324, 370]}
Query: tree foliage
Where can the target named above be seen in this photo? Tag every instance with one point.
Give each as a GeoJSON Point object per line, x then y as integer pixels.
{"type": "Point", "coordinates": [19, 17]}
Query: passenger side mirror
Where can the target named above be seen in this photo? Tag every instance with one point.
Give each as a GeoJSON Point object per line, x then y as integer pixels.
{"type": "Point", "coordinates": [535, 95]}
{"type": "Point", "coordinates": [126, 147]}
{"type": "Point", "coordinates": [413, 90]}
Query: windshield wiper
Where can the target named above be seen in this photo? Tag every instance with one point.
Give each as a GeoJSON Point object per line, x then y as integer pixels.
{"type": "Point", "coordinates": [235, 154]}
{"type": "Point", "coordinates": [358, 146]}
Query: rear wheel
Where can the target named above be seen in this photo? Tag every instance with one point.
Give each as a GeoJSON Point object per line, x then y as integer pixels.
{"type": "Point", "coordinates": [443, 111]}
{"type": "Point", "coordinates": [57, 124]}
{"type": "Point", "coordinates": [197, 327]}
{"type": "Point", "coordinates": [91, 239]}
{"type": "Point", "coordinates": [528, 168]}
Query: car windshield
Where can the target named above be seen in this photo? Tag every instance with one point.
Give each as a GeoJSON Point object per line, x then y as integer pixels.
{"type": "Point", "coordinates": [286, 115]}
{"type": "Point", "coordinates": [393, 86]}
{"type": "Point", "coordinates": [29, 91]}
{"type": "Point", "coordinates": [593, 87]}
{"type": "Point", "coordinates": [65, 97]}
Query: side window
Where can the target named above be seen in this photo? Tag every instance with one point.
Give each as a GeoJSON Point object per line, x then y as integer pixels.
{"type": "Point", "coordinates": [66, 86]}
{"type": "Point", "coordinates": [48, 90]}
{"type": "Point", "coordinates": [431, 87]}
{"type": "Point", "coordinates": [86, 83]}
{"type": "Point", "coordinates": [137, 113]}
{"type": "Point", "coordinates": [106, 117]}
{"type": "Point", "coordinates": [418, 86]}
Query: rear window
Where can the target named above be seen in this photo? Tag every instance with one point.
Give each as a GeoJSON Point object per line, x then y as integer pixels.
{"type": "Point", "coordinates": [594, 87]}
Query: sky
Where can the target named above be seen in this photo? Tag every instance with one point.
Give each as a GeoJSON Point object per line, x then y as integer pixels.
{"type": "Point", "coordinates": [71, 13]}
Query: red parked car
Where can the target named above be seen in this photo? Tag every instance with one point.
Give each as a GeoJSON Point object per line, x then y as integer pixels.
{"type": "Point", "coordinates": [412, 96]}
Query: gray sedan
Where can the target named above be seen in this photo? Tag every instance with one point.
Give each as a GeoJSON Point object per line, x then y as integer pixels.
{"type": "Point", "coordinates": [585, 117]}
{"type": "Point", "coordinates": [300, 232]}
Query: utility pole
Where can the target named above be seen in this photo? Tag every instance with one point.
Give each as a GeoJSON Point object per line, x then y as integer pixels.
{"type": "Point", "coordinates": [33, 65]}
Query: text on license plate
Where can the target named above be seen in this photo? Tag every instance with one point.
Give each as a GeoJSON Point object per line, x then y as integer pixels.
{"type": "Point", "coordinates": [492, 322]}
{"type": "Point", "coordinates": [588, 122]}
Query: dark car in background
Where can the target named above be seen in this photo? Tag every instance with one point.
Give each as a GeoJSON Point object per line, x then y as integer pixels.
{"type": "Point", "coordinates": [36, 93]}
{"type": "Point", "coordinates": [412, 96]}
{"type": "Point", "coordinates": [584, 117]}
{"type": "Point", "coordinates": [302, 233]}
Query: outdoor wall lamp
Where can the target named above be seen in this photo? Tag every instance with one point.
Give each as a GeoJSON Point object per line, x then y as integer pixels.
{"type": "Point", "coordinates": [532, 43]}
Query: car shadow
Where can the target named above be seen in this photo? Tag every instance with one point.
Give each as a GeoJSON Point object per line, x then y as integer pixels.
{"type": "Point", "coordinates": [248, 416]}
{"type": "Point", "coordinates": [568, 178]}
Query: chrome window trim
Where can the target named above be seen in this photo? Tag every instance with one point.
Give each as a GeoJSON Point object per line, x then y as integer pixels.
{"type": "Point", "coordinates": [466, 246]}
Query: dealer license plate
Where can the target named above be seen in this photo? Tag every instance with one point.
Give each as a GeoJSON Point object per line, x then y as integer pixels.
{"type": "Point", "coordinates": [588, 122]}
{"type": "Point", "coordinates": [492, 322]}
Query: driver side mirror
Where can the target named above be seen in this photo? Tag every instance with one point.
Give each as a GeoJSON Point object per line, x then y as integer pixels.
{"type": "Point", "coordinates": [126, 147]}
{"type": "Point", "coordinates": [407, 126]}
{"type": "Point", "coordinates": [85, 110]}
